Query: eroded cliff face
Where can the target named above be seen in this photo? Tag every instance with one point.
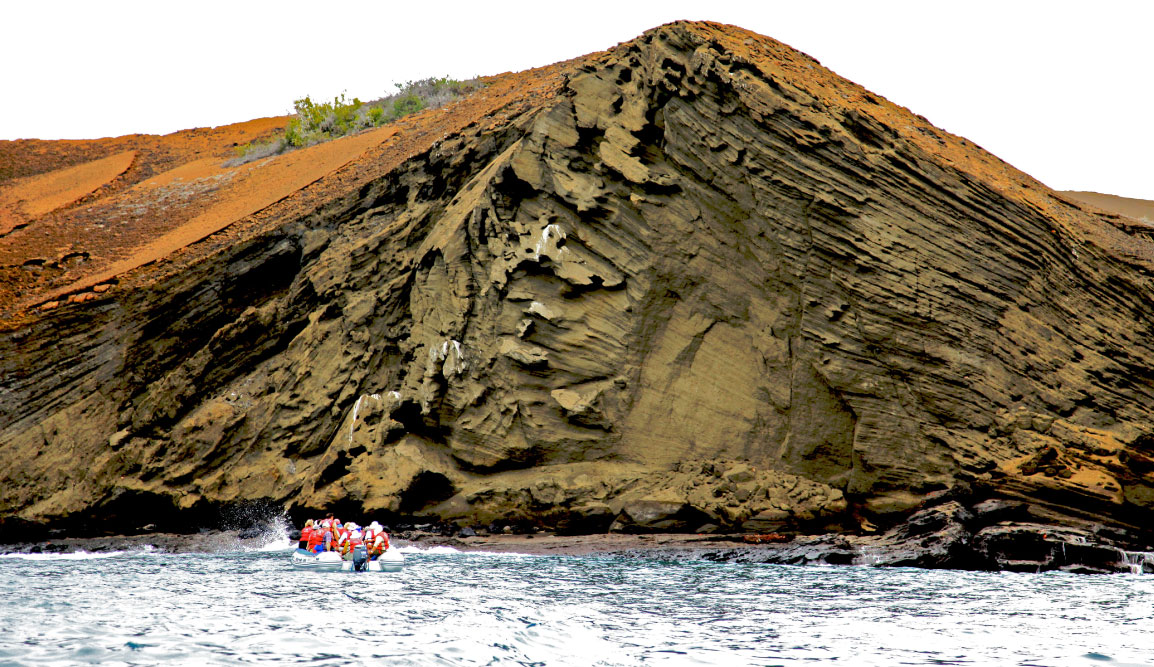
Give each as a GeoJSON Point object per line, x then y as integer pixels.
{"type": "Point", "coordinates": [705, 284]}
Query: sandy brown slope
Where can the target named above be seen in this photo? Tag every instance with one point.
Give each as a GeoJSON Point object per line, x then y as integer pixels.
{"type": "Point", "coordinates": [1135, 216]}
{"type": "Point", "coordinates": [34, 196]}
{"type": "Point", "coordinates": [23, 158]}
{"type": "Point", "coordinates": [1139, 209]}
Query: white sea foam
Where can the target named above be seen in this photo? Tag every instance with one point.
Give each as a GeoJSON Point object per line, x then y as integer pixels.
{"type": "Point", "coordinates": [413, 549]}
{"type": "Point", "coordinates": [284, 544]}
{"type": "Point", "coordinates": [443, 550]}
{"type": "Point", "coordinates": [274, 536]}
{"type": "Point", "coordinates": [74, 555]}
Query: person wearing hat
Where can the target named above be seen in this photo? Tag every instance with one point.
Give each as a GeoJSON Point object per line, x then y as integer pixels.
{"type": "Point", "coordinates": [376, 539]}
{"type": "Point", "coordinates": [340, 536]}
{"type": "Point", "coordinates": [352, 538]}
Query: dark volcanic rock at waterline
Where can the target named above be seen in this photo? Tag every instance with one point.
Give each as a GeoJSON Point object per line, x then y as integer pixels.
{"type": "Point", "coordinates": [695, 279]}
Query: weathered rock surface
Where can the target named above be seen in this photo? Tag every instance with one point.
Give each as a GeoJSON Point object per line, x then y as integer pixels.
{"type": "Point", "coordinates": [699, 284]}
{"type": "Point", "coordinates": [953, 536]}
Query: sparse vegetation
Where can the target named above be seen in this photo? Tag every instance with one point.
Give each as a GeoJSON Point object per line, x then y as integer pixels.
{"type": "Point", "coordinates": [316, 122]}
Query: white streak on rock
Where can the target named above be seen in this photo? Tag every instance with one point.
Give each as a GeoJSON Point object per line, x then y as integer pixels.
{"type": "Point", "coordinates": [353, 423]}
{"type": "Point", "coordinates": [541, 310]}
{"type": "Point", "coordinates": [357, 410]}
{"type": "Point", "coordinates": [553, 230]}
{"type": "Point", "coordinates": [454, 363]}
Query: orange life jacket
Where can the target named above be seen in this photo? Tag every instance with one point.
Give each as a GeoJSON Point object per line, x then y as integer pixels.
{"type": "Point", "coordinates": [377, 541]}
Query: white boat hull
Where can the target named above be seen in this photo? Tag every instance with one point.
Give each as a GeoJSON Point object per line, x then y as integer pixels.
{"type": "Point", "coordinates": [330, 561]}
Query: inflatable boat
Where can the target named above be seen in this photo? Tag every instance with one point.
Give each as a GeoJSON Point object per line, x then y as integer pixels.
{"type": "Point", "coordinates": [330, 561]}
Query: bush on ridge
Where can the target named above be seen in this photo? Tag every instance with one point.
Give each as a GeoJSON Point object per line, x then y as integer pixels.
{"type": "Point", "coordinates": [316, 122]}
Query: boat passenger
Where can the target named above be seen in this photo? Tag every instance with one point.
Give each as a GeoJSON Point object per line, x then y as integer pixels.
{"type": "Point", "coordinates": [328, 540]}
{"type": "Point", "coordinates": [370, 532]}
{"type": "Point", "coordinates": [355, 537]}
{"type": "Point", "coordinates": [335, 534]}
{"type": "Point", "coordinates": [376, 539]}
{"type": "Point", "coordinates": [345, 542]}
{"type": "Point", "coordinates": [316, 541]}
{"type": "Point", "coordinates": [306, 533]}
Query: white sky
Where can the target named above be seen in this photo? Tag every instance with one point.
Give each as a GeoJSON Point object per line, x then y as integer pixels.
{"type": "Point", "coordinates": [1061, 90]}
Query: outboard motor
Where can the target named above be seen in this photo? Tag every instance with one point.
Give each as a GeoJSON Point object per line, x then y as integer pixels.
{"type": "Point", "coordinates": [360, 558]}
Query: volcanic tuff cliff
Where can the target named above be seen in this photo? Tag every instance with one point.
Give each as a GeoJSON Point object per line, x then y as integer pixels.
{"type": "Point", "coordinates": [694, 280]}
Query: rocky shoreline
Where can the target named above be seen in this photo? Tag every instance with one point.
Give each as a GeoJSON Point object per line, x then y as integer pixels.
{"type": "Point", "coordinates": [995, 535]}
{"type": "Point", "coordinates": [205, 541]}
{"type": "Point", "coordinates": [936, 538]}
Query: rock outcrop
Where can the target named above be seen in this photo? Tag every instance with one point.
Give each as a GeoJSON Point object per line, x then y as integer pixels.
{"type": "Point", "coordinates": [949, 534]}
{"type": "Point", "coordinates": [696, 283]}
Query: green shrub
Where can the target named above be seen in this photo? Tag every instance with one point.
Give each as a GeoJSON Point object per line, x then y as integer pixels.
{"type": "Point", "coordinates": [403, 106]}
{"type": "Point", "coordinates": [434, 92]}
{"type": "Point", "coordinates": [315, 122]}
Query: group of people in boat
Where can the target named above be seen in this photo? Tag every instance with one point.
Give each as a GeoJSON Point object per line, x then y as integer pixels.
{"type": "Point", "coordinates": [329, 534]}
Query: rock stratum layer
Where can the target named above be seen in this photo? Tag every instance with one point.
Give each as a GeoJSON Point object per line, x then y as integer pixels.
{"type": "Point", "coordinates": [696, 282]}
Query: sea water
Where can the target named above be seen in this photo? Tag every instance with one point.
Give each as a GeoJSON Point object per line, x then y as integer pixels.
{"type": "Point", "coordinates": [457, 608]}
